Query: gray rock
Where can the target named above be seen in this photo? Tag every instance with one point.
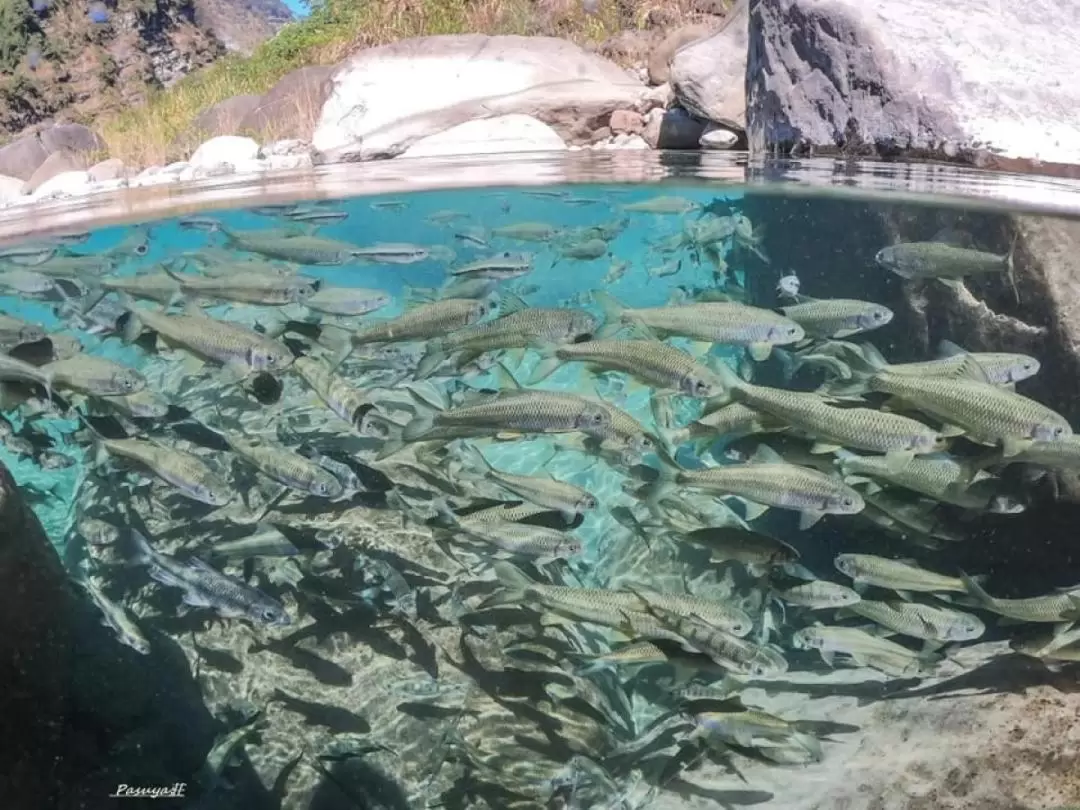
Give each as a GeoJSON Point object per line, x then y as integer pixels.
{"type": "Point", "coordinates": [72, 137]}
{"type": "Point", "coordinates": [660, 58]}
{"type": "Point", "coordinates": [22, 157]}
{"type": "Point", "coordinates": [673, 129]}
{"type": "Point", "coordinates": [291, 108]}
{"type": "Point", "coordinates": [709, 75]}
{"type": "Point", "coordinates": [224, 118]}
{"type": "Point", "coordinates": [915, 76]}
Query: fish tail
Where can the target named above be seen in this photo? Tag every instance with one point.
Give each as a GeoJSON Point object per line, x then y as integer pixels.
{"type": "Point", "coordinates": [547, 366]}
{"type": "Point", "coordinates": [729, 380]}
{"type": "Point", "coordinates": [612, 308]}
{"type": "Point", "coordinates": [976, 590]}
{"type": "Point", "coordinates": [789, 363]}
{"type": "Point", "coordinates": [434, 357]}
{"type": "Point", "coordinates": [141, 553]}
{"type": "Point", "coordinates": [514, 586]}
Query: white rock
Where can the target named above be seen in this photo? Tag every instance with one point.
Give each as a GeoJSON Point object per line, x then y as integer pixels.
{"type": "Point", "coordinates": [287, 147]}
{"type": "Point", "coordinates": [917, 74]}
{"type": "Point", "coordinates": [507, 133]}
{"type": "Point", "coordinates": [64, 184]}
{"type": "Point", "coordinates": [399, 93]}
{"type": "Point", "coordinates": [225, 149]}
{"type": "Point", "coordinates": [718, 137]}
{"type": "Point", "coordinates": [290, 162]}
{"type": "Point", "coordinates": [10, 188]}
{"type": "Point", "coordinates": [634, 142]}
{"type": "Point", "coordinates": [177, 168]}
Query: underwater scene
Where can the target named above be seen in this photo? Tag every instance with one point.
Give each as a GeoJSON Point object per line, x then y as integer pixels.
{"type": "Point", "coordinates": [568, 497]}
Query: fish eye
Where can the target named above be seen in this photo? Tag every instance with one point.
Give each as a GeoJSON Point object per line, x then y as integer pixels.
{"type": "Point", "coordinates": [142, 250]}
{"type": "Point", "coordinates": [269, 614]}
{"type": "Point", "coordinates": [598, 418]}
{"type": "Point", "coordinates": [588, 502]}
{"type": "Point", "coordinates": [878, 315]}
{"type": "Point", "coordinates": [1058, 431]}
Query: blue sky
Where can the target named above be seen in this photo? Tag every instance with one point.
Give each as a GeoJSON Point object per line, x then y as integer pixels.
{"type": "Point", "coordinates": [297, 7]}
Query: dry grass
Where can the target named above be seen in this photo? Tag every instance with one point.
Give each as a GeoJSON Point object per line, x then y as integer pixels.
{"type": "Point", "coordinates": [162, 130]}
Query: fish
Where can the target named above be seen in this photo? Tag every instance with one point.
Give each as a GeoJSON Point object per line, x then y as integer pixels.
{"type": "Point", "coordinates": [115, 616]}
{"type": "Point", "coordinates": [284, 466]}
{"type": "Point", "coordinates": [186, 473]}
{"type": "Point", "coordinates": [722, 644]}
{"type": "Point", "coordinates": [15, 331]}
{"type": "Point", "coordinates": [837, 317]}
{"type": "Point", "coordinates": [160, 287]}
{"type": "Point", "coordinates": [862, 648]}
{"type": "Point", "coordinates": [346, 301]}
{"type": "Point", "coordinates": [204, 586]}
{"type": "Point", "coordinates": [757, 551]}
{"type": "Point", "coordinates": [517, 330]}
{"type": "Point", "coordinates": [921, 621]}
{"type": "Point", "coordinates": [224, 749]}
{"type": "Point", "coordinates": [662, 205]}
{"type": "Point", "coordinates": [614, 607]}
{"type": "Point", "coordinates": [1000, 368]}
{"type": "Point", "coordinates": [28, 282]}
{"type": "Point", "coordinates": [714, 322]}
{"type": "Point", "coordinates": [501, 267]}
{"type": "Point", "coordinates": [337, 393]}
{"type": "Point", "coordinates": [900, 438]}
{"type": "Point", "coordinates": [1063, 606]}
{"type": "Point", "coordinates": [774, 738]}
{"type": "Point", "coordinates": [650, 361]}
{"type": "Point", "coordinates": [518, 538]}
{"type": "Point", "coordinates": [298, 248]}
{"type": "Point", "coordinates": [545, 491]}
{"type": "Point", "coordinates": [266, 541]}
{"type": "Point", "coordinates": [941, 261]}
{"type": "Point", "coordinates": [584, 250]}
{"type": "Point", "coordinates": [512, 411]}
{"type": "Point", "coordinates": [820, 594]}
{"type": "Point", "coordinates": [94, 376]}
{"type": "Point", "coordinates": [987, 414]}
{"type": "Point", "coordinates": [240, 350]}
{"type": "Point", "coordinates": [424, 322]}
{"type": "Point", "coordinates": [897, 575]}
{"type": "Point", "coordinates": [16, 371]}
{"type": "Point", "coordinates": [769, 481]}
{"type": "Point", "coordinates": [526, 232]}
{"type": "Point", "coordinates": [248, 288]}
{"type": "Point", "coordinates": [943, 478]}
{"type": "Point", "coordinates": [396, 253]}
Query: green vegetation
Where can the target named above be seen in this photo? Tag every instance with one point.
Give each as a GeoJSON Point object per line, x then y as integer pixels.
{"type": "Point", "coordinates": [162, 130]}
{"type": "Point", "coordinates": [17, 26]}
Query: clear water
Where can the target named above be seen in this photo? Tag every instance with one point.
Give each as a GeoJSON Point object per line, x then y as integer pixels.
{"type": "Point", "coordinates": [390, 686]}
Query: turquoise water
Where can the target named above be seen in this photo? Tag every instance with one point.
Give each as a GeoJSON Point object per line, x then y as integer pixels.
{"type": "Point", "coordinates": [383, 648]}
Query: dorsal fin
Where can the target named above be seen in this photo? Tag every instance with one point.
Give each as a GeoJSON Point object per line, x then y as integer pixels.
{"type": "Point", "coordinates": [946, 348]}
{"type": "Point", "coordinates": [765, 455]}
{"type": "Point", "coordinates": [971, 370]}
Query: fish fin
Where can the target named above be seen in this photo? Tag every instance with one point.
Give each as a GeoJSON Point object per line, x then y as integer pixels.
{"type": "Point", "coordinates": [820, 448]}
{"type": "Point", "coordinates": [504, 379]}
{"type": "Point", "coordinates": [829, 657]}
{"type": "Point", "coordinates": [897, 460]}
{"type": "Point", "coordinates": [789, 363]}
{"type": "Point", "coordinates": [142, 552]}
{"type": "Point", "coordinates": [907, 596]}
{"type": "Point", "coordinates": [1014, 446]}
{"type": "Point", "coordinates": [765, 455]}
{"type": "Point", "coordinates": [971, 370]}
{"type": "Point", "coordinates": [952, 283]}
{"type": "Point", "coordinates": [753, 510]}
{"type": "Point", "coordinates": [434, 357]}
{"type": "Point", "coordinates": [510, 303]}
{"type": "Point", "coordinates": [946, 348]}
{"type": "Point", "coordinates": [759, 351]}
{"type": "Point", "coordinates": [808, 519]}
{"type": "Point", "coordinates": [975, 589]}
{"type": "Point", "coordinates": [514, 356]}
{"type": "Point", "coordinates": [612, 308]}
{"type": "Point", "coordinates": [951, 431]}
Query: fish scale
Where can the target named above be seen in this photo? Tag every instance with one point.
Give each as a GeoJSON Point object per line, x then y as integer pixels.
{"type": "Point", "coordinates": [921, 621]}
{"type": "Point", "coordinates": [287, 467]}
{"type": "Point", "coordinates": [339, 394]}
{"type": "Point", "coordinates": [838, 317]}
{"type": "Point", "coordinates": [425, 321]}
{"type": "Point", "coordinates": [863, 428]}
{"type": "Point", "coordinates": [527, 412]}
{"type": "Point", "coordinates": [988, 413]}
{"type": "Point", "coordinates": [654, 362]}
{"type": "Point", "coordinates": [521, 329]}
{"type": "Point", "coordinates": [187, 473]}
{"type": "Point", "coordinates": [784, 485]}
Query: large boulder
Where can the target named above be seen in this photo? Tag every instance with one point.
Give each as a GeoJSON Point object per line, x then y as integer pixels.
{"type": "Point", "coordinates": [709, 75]}
{"type": "Point", "coordinates": [386, 98]}
{"type": "Point", "coordinates": [917, 77]}
{"type": "Point", "coordinates": [224, 117]}
{"type": "Point", "coordinates": [508, 133]}
{"type": "Point", "coordinates": [23, 156]}
{"type": "Point", "coordinates": [291, 108]}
